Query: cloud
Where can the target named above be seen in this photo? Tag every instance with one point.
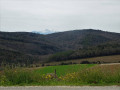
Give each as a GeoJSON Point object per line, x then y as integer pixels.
{"type": "Point", "coordinates": [59, 15]}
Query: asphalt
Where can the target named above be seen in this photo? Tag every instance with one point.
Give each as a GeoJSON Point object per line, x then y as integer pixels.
{"type": "Point", "coordinates": [61, 88]}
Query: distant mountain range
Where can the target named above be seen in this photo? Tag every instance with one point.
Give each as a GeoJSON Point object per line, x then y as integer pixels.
{"type": "Point", "coordinates": [19, 45]}
{"type": "Point", "coordinates": [46, 31]}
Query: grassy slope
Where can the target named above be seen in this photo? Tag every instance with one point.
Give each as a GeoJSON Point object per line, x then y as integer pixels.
{"type": "Point", "coordinates": [105, 59]}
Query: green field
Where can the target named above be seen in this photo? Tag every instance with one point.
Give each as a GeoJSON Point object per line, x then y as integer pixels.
{"type": "Point", "coordinates": [62, 70]}
{"type": "Point", "coordinates": [79, 74]}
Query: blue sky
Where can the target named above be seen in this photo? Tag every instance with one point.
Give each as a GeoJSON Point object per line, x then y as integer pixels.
{"type": "Point", "coordinates": [59, 15]}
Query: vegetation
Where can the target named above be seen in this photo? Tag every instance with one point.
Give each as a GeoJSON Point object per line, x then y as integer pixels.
{"type": "Point", "coordinates": [99, 50]}
{"type": "Point", "coordinates": [96, 75]}
{"type": "Point", "coordinates": [25, 47]}
{"type": "Point", "coordinates": [23, 50]}
{"type": "Point", "coordinates": [61, 70]}
{"type": "Point", "coordinates": [60, 56]}
{"type": "Point", "coordinates": [92, 60]}
{"type": "Point", "coordinates": [14, 58]}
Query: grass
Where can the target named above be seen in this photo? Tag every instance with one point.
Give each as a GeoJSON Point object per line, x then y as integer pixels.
{"type": "Point", "coordinates": [102, 59]}
{"type": "Point", "coordinates": [61, 70]}
{"type": "Point", "coordinates": [66, 75]}
{"type": "Point", "coordinates": [96, 75]}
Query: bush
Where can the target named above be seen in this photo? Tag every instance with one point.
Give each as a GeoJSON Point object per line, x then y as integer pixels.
{"type": "Point", "coordinates": [85, 62]}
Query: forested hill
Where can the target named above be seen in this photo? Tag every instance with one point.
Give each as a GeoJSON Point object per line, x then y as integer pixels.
{"type": "Point", "coordinates": [28, 43]}
{"type": "Point", "coordinates": [88, 52]}
{"type": "Point", "coordinates": [14, 45]}
{"type": "Point", "coordinates": [82, 38]}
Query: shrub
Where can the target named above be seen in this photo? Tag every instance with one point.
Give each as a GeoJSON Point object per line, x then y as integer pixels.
{"type": "Point", "coordinates": [85, 62]}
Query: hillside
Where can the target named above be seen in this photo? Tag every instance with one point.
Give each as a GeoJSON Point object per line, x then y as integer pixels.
{"type": "Point", "coordinates": [13, 57]}
{"type": "Point", "coordinates": [92, 60]}
{"type": "Point", "coordinates": [28, 43]}
{"type": "Point", "coordinates": [88, 52]}
{"type": "Point", "coordinates": [22, 45]}
{"type": "Point", "coordinates": [83, 38]}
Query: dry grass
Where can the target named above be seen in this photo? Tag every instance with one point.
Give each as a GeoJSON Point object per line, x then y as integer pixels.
{"type": "Point", "coordinates": [100, 74]}
{"type": "Point", "coordinates": [102, 59]}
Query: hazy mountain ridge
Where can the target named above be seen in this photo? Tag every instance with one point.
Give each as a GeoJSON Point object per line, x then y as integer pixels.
{"type": "Point", "coordinates": [34, 45]}
{"type": "Point", "coordinates": [26, 42]}
{"type": "Point", "coordinates": [76, 38]}
{"type": "Point", "coordinates": [45, 32]}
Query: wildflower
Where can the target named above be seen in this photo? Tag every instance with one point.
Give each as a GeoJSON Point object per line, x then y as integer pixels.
{"type": "Point", "coordinates": [60, 77]}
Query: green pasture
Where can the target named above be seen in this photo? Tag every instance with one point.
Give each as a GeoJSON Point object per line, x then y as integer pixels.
{"type": "Point", "coordinates": [62, 70]}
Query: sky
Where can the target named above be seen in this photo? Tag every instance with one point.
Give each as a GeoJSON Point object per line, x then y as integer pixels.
{"type": "Point", "coordinates": [59, 15]}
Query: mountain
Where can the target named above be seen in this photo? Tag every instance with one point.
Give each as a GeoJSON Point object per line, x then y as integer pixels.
{"type": "Point", "coordinates": [28, 43]}
{"type": "Point", "coordinates": [82, 38]}
{"type": "Point", "coordinates": [36, 46]}
{"type": "Point", "coordinates": [46, 31]}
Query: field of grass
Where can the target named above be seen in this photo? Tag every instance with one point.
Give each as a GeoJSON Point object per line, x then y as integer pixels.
{"type": "Point", "coordinates": [102, 59]}
{"type": "Point", "coordinates": [85, 74]}
{"type": "Point", "coordinates": [61, 70]}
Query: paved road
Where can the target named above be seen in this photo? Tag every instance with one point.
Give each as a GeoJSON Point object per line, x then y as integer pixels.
{"type": "Point", "coordinates": [62, 88]}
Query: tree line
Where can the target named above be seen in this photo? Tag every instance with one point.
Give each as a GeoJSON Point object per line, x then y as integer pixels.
{"type": "Point", "coordinates": [99, 50]}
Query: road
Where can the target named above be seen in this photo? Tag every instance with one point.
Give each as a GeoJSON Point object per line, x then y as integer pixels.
{"type": "Point", "coordinates": [62, 88]}
{"type": "Point", "coordinates": [111, 64]}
